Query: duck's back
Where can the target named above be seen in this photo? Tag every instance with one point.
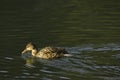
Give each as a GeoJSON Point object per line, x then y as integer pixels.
{"type": "Point", "coordinates": [51, 52]}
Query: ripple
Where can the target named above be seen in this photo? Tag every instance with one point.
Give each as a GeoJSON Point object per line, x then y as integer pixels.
{"type": "Point", "coordinates": [24, 77]}
{"type": "Point", "coordinates": [29, 65]}
{"type": "Point", "coordinates": [116, 56]}
{"type": "Point", "coordinates": [88, 60]}
{"type": "Point", "coordinates": [64, 78]}
{"type": "Point", "coordinates": [46, 79]}
{"type": "Point", "coordinates": [3, 71]}
{"type": "Point", "coordinates": [46, 71]}
{"type": "Point", "coordinates": [27, 74]}
{"type": "Point", "coordinates": [9, 58]}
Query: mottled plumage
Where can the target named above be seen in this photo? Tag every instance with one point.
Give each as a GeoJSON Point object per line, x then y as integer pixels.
{"type": "Point", "coordinates": [47, 52]}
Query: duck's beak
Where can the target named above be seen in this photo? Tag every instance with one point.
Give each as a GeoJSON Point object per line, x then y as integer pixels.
{"type": "Point", "coordinates": [24, 51]}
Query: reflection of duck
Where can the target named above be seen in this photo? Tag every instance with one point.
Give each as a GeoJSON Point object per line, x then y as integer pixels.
{"type": "Point", "coordinates": [47, 52]}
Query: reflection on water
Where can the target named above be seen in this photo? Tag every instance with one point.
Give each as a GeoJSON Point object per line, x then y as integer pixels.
{"type": "Point", "coordinates": [88, 29]}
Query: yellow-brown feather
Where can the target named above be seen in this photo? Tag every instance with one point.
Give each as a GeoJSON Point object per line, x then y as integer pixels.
{"type": "Point", "coordinates": [47, 52]}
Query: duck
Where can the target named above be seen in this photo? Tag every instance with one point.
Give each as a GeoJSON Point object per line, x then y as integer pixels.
{"type": "Point", "coordinates": [46, 52]}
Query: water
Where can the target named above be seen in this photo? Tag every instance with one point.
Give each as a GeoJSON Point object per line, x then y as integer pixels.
{"type": "Point", "coordinates": [89, 30]}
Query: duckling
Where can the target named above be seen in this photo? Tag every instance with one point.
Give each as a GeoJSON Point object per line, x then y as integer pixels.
{"type": "Point", "coordinates": [47, 52]}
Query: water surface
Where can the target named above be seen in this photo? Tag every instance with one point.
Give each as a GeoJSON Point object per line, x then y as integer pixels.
{"type": "Point", "coordinates": [87, 29]}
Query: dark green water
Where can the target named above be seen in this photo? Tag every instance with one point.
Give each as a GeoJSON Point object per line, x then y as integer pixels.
{"type": "Point", "coordinates": [88, 29]}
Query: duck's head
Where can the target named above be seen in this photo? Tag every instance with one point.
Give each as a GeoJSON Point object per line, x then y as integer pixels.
{"type": "Point", "coordinates": [29, 47]}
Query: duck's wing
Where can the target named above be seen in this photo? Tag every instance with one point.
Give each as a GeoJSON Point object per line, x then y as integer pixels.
{"type": "Point", "coordinates": [52, 52]}
{"type": "Point", "coordinates": [48, 50]}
